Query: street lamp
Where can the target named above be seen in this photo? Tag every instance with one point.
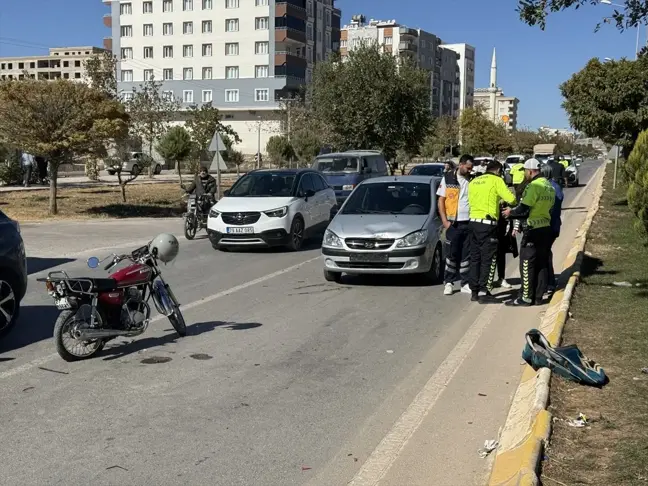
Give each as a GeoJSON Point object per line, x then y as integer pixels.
{"type": "Point", "coordinates": [608, 2]}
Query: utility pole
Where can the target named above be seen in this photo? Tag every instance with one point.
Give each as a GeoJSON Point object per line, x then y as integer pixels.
{"type": "Point", "coordinates": [259, 143]}
{"type": "Point", "coordinates": [289, 100]}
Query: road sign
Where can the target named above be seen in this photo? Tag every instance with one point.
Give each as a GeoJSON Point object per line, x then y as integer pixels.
{"type": "Point", "coordinates": [505, 118]}
{"type": "Point", "coordinates": [216, 144]}
{"type": "Point", "coordinates": [615, 152]}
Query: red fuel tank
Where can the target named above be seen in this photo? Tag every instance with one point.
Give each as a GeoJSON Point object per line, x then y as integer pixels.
{"type": "Point", "coordinates": [132, 275]}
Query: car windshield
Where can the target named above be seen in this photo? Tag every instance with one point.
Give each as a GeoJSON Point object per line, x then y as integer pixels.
{"type": "Point", "coordinates": [263, 184]}
{"type": "Point", "coordinates": [337, 164]}
{"type": "Point", "coordinates": [542, 158]}
{"type": "Point", "coordinates": [513, 160]}
{"type": "Point", "coordinates": [389, 198]}
{"type": "Point", "coordinates": [428, 170]}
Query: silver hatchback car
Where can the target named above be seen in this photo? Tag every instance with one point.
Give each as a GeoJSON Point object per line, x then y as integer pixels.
{"type": "Point", "coordinates": [388, 225]}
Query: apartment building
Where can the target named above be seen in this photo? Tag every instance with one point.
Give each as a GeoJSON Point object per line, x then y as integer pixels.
{"type": "Point", "coordinates": [505, 109]}
{"type": "Point", "coordinates": [59, 63]}
{"type": "Point", "coordinates": [243, 56]}
{"type": "Point", "coordinates": [466, 73]}
{"type": "Point", "coordinates": [421, 46]}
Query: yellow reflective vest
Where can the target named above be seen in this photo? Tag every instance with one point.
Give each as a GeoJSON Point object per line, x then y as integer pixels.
{"type": "Point", "coordinates": [517, 173]}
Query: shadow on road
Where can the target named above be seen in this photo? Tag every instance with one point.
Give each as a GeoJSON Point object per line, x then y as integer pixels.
{"type": "Point", "coordinates": [172, 209]}
{"type": "Point", "coordinates": [386, 281]}
{"type": "Point", "coordinates": [121, 350]}
{"type": "Point", "coordinates": [36, 322]}
{"type": "Point", "coordinates": [35, 264]}
{"type": "Point", "coordinates": [574, 208]}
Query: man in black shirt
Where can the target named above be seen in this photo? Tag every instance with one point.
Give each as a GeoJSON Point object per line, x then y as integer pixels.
{"type": "Point", "coordinates": [557, 171]}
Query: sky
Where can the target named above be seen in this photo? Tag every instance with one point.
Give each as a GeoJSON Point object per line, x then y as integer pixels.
{"type": "Point", "coordinates": [531, 63]}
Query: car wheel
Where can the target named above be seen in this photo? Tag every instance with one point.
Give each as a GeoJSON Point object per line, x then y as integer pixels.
{"type": "Point", "coordinates": [332, 276]}
{"type": "Point", "coordinates": [9, 303]}
{"type": "Point", "coordinates": [434, 275]}
{"type": "Point", "coordinates": [135, 170]}
{"type": "Point", "coordinates": [296, 234]}
{"type": "Point", "coordinates": [158, 169]}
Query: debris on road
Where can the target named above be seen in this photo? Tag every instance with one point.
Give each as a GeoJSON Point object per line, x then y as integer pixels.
{"type": "Point", "coordinates": [53, 371]}
{"type": "Point", "coordinates": [481, 395]}
{"type": "Point", "coordinates": [155, 360]}
{"type": "Point", "coordinates": [28, 388]}
{"type": "Point", "coordinates": [489, 446]}
{"type": "Point", "coordinates": [390, 351]}
{"type": "Point", "coordinates": [117, 466]}
{"type": "Point", "coordinates": [622, 284]}
{"type": "Point", "coordinates": [306, 468]}
{"type": "Point", "coordinates": [580, 422]}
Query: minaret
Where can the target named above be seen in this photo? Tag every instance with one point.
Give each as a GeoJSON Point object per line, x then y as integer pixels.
{"type": "Point", "coordinates": [492, 109]}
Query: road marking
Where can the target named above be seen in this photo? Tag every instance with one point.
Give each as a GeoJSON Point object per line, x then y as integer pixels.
{"type": "Point", "coordinates": [224, 293]}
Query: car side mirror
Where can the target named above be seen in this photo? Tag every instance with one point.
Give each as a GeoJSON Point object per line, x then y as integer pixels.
{"type": "Point", "coordinates": [309, 193]}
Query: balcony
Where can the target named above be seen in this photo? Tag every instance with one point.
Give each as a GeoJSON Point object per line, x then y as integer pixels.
{"type": "Point", "coordinates": [283, 58]}
{"type": "Point", "coordinates": [107, 20]}
{"type": "Point", "coordinates": [285, 34]}
{"type": "Point", "coordinates": [406, 32]}
{"type": "Point", "coordinates": [108, 43]}
{"type": "Point", "coordinates": [283, 9]}
{"type": "Point", "coordinates": [407, 46]}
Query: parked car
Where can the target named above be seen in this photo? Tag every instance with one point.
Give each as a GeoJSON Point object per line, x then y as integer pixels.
{"type": "Point", "coordinates": [272, 207]}
{"type": "Point", "coordinates": [429, 169]}
{"type": "Point", "coordinates": [13, 272]}
{"type": "Point", "coordinates": [388, 225]}
{"type": "Point", "coordinates": [480, 167]}
{"type": "Point", "coordinates": [345, 170]}
{"type": "Point", "coordinates": [572, 172]}
{"type": "Point", "coordinates": [134, 164]}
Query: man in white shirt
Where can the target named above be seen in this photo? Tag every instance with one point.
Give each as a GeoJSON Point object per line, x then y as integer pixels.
{"type": "Point", "coordinates": [454, 211]}
{"type": "Point", "coordinates": [28, 166]}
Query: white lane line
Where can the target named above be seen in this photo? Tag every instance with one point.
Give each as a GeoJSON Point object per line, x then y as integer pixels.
{"type": "Point", "coordinates": [390, 447]}
{"type": "Point", "coordinates": [224, 293]}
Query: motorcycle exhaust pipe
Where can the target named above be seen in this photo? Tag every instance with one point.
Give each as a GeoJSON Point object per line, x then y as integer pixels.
{"type": "Point", "coordinates": [90, 334]}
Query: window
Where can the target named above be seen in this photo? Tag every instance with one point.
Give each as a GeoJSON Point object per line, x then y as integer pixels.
{"type": "Point", "coordinates": [187, 96]}
{"type": "Point", "coordinates": [261, 3]}
{"type": "Point", "coordinates": [389, 40]}
{"type": "Point", "coordinates": [127, 75]}
{"type": "Point", "coordinates": [147, 7]}
{"type": "Point", "coordinates": [309, 31]}
{"type": "Point", "coordinates": [231, 25]}
{"type": "Point", "coordinates": [260, 71]}
{"type": "Point", "coordinates": [77, 75]}
{"type": "Point", "coordinates": [309, 7]}
{"type": "Point", "coordinates": [207, 50]}
{"type": "Point", "coordinates": [207, 27]}
{"type": "Point", "coordinates": [231, 95]}
{"type": "Point", "coordinates": [261, 47]}
{"type": "Point", "coordinates": [126, 31]}
{"type": "Point", "coordinates": [207, 96]}
{"type": "Point", "coordinates": [148, 52]}
{"type": "Point", "coordinates": [231, 3]}
{"type": "Point", "coordinates": [231, 49]}
{"type": "Point", "coordinates": [126, 96]}
{"type": "Point", "coordinates": [127, 53]}
{"type": "Point", "coordinates": [327, 40]}
{"type": "Point", "coordinates": [318, 182]}
{"type": "Point", "coordinates": [167, 51]}
{"type": "Point", "coordinates": [167, 5]}
{"type": "Point", "coordinates": [309, 53]}
{"type": "Point", "coordinates": [187, 28]}
{"type": "Point", "coordinates": [261, 95]}
{"type": "Point", "coordinates": [343, 43]}
{"type": "Point", "coordinates": [125, 9]}
{"type": "Point", "coordinates": [207, 73]}
{"type": "Point", "coordinates": [187, 5]}
{"type": "Point", "coordinates": [167, 29]}
{"type": "Point", "coordinates": [261, 23]}
{"type": "Point", "coordinates": [328, 18]}
{"type": "Point", "coordinates": [187, 74]}
{"type": "Point", "coordinates": [167, 74]}
{"type": "Point", "coordinates": [231, 72]}
{"type": "Point", "coordinates": [167, 95]}
{"type": "Point", "coordinates": [148, 30]}
{"type": "Point", "coordinates": [187, 51]}
{"type": "Point", "coordinates": [207, 4]}
{"type": "Point", "coordinates": [77, 63]}
{"type": "Point", "coordinates": [306, 184]}
{"type": "Point", "coordinates": [148, 75]}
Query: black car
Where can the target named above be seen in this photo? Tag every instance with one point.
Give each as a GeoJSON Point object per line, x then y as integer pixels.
{"type": "Point", "coordinates": [13, 272]}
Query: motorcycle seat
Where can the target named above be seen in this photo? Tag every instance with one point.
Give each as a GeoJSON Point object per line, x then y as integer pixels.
{"type": "Point", "coordinates": [98, 284]}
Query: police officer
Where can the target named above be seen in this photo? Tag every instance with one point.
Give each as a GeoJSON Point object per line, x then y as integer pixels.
{"type": "Point", "coordinates": [535, 207]}
{"type": "Point", "coordinates": [557, 172]}
{"type": "Point", "coordinates": [556, 223]}
{"type": "Point", "coordinates": [517, 176]}
{"type": "Point", "coordinates": [485, 193]}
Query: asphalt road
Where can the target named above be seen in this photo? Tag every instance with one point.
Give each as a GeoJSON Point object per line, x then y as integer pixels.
{"type": "Point", "coordinates": [284, 379]}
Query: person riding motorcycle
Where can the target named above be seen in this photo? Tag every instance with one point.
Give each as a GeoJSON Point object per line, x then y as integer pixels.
{"type": "Point", "coordinates": [203, 185]}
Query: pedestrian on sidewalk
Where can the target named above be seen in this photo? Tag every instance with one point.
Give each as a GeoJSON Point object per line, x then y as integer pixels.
{"type": "Point", "coordinates": [27, 161]}
{"type": "Point", "coordinates": [41, 164]}
{"type": "Point", "coordinates": [556, 224]}
{"type": "Point", "coordinates": [454, 211]}
{"type": "Point", "coordinates": [535, 208]}
{"type": "Point", "coordinates": [485, 194]}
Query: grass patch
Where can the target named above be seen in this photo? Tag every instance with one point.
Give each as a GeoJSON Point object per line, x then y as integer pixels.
{"type": "Point", "coordinates": [609, 324]}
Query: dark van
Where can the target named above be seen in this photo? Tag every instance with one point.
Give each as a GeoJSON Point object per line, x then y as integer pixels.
{"type": "Point", "coordinates": [345, 170]}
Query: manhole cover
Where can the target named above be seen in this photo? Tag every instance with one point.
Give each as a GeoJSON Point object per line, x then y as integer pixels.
{"type": "Point", "coordinates": [155, 360]}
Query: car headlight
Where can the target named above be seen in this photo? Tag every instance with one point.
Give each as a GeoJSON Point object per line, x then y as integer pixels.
{"type": "Point", "coordinates": [331, 239]}
{"type": "Point", "coordinates": [417, 238]}
{"type": "Point", "coordinates": [213, 213]}
{"type": "Point", "coordinates": [570, 169]}
{"type": "Point", "coordinates": [347, 187]}
{"type": "Point", "coordinates": [277, 213]}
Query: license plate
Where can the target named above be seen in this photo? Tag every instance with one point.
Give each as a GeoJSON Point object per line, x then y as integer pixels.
{"type": "Point", "coordinates": [63, 304]}
{"type": "Point", "coordinates": [369, 257]}
{"type": "Point", "coordinates": [246, 230]}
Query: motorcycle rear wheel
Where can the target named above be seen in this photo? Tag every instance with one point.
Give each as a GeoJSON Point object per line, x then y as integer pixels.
{"type": "Point", "coordinates": [62, 331]}
{"type": "Point", "coordinates": [177, 321]}
{"type": "Point", "coordinates": [190, 226]}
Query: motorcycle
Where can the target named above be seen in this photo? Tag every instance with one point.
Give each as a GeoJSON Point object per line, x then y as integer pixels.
{"type": "Point", "coordinates": [97, 310]}
{"type": "Point", "coordinates": [195, 217]}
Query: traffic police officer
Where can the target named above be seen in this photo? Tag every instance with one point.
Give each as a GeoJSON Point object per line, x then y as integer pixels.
{"type": "Point", "coordinates": [535, 206]}
{"type": "Point", "coordinates": [485, 194]}
{"type": "Point", "coordinates": [517, 176]}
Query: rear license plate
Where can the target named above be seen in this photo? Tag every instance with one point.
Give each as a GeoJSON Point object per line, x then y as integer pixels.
{"type": "Point", "coordinates": [369, 257]}
{"type": "Point", "coordinates": [247, 230]}
{"type": "Point", "coordinates": [63, 304]}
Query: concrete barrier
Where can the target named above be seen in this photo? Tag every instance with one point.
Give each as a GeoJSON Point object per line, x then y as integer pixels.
{"type": "Point", "coordinates": [528, 425]}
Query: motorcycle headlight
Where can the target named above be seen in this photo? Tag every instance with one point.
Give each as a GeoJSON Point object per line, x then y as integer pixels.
{"type": "Point", "coordinates": [331, 239]}
{"type": "Point", "coordinates": [213, 213]}
{"type": "Point", "coordinates": [417, 238]}
{"type": "Point", "coordinates": [277, 213]}
{"type": "Point", "coordinates": [570, 169]}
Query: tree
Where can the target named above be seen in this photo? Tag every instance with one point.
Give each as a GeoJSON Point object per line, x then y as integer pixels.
{"type": "Point", "coordinates": [237, 158]}
{"type": "Point", "coordinates": [58, 120]}
{"type": "Point", "coordinates": [371, 101]}
{"type": "Point", "coordinates": [442, 138]}
{"type": "Point", "coordinates": [101, 70]}
{"type": "Point", "coordinates": [150, 114]}
{"type": "Point", "coordinates": [121, 151]}
{"type": "Point", "coordinates": [523, 141]}
{"type": "Point", "coordinates": [609, 100]}
{"type": "Point", "coordinates": [306, 145]}
{"type": "Point", "coordinates": [637, 174]}
{"type": "Point", "coordinates": [279, 149]}
{"type": "Point", "coordinates": [175, 145]}
{"type": "Point", "coordinates": [481, 136]}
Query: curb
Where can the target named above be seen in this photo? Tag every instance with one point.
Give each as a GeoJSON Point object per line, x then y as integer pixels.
{"type": "Point", "coordinates": [528, 424]}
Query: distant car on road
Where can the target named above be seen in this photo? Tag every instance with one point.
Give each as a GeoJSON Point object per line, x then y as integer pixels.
{"type": "Point", "coordinates": [389, 225]}
{"type": "Point", "coordinates": [135, 163]}
{"type": "Point", "coordinates": [572, 171]}
{"type": "Point", "coordinates": [272, 207]}
{"type": "Point", "coordinates": [429, 169]}
{"type": "Point", "coordinates": [480, 164]}
{"type": "Point", "coordinates": [13, 272]}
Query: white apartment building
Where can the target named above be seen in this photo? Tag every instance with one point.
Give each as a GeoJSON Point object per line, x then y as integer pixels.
{"type": "Point", "coordinates": [243, 56]}
{"type": "Point", "coordinates": [59, 63]}
{"type": "Point", "coordinates": [466, 73]}
{"type": "Point", "coordinates": [423, 47]}
{"type": "Point", "coordinates": [506, 107]}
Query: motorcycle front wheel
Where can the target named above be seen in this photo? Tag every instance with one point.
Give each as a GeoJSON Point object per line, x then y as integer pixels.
{"type": "Point", "coordinates": [177, 321]}
{"type": "Point", "coordinates": [67, 345]}
{"type": "Point", "coordinates": [190, 226]}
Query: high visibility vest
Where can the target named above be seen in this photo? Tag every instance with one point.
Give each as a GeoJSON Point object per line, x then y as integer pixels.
{"type": "Point", "coordinates": [517, 173]}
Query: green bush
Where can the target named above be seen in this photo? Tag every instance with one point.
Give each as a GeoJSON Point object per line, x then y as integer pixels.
{"type": "Point", "coordinates": [11, 172]}
{"type": "Point", "coordinates": [636, 170]}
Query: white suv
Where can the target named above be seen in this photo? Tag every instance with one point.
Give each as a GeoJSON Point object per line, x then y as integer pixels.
{"type": "Point", "coordinates": [280, 207]}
